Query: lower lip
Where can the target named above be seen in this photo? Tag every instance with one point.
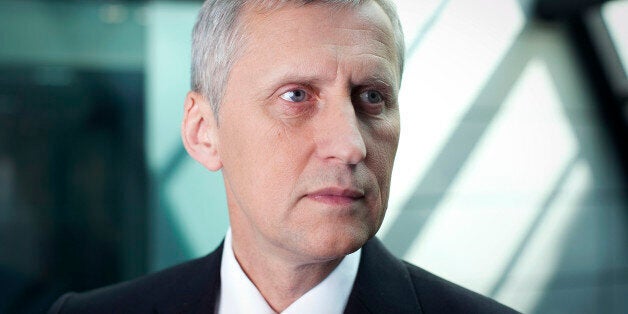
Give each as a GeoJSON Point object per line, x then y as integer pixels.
{"type": "Point", "coordinates": [337, 200]}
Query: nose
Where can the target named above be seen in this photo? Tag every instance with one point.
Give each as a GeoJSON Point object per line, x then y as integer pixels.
{"type": "Point", "coordinates": [340, 137]}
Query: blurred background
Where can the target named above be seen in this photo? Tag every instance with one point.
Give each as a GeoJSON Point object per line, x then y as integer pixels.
{"type": "Point", "coordinates": [511, 177]}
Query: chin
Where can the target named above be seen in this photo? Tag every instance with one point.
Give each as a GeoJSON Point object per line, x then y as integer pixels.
{"type": "Point", "coordinates": [338, 243]}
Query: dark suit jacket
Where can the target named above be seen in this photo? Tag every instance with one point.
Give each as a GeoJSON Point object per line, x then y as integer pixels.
{"type": "Point", "coordinates": [384, 284]}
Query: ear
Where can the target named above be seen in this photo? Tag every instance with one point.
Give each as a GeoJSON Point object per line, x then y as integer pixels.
{"type": "Point", "coordinates": [199, 131]}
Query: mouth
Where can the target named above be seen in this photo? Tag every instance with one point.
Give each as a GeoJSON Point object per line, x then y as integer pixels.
{"type": "Point", "coordinates": [336, 196]}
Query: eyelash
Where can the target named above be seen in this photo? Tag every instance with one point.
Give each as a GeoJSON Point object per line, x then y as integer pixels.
{"type": "Point", "coordinates": [381, 94]}
{"type": "Point", "coordinates": [356, 99]}
{"type": "Point", "coordinates": [306, 94]}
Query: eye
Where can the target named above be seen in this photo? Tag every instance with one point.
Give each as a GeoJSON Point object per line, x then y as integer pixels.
{"type": "Point", "coordinates": [295, 95]}
{"type": "Point", "coordinates": [371, 97]}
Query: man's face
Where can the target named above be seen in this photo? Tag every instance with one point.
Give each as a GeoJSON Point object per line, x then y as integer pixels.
{"type": "Point", "coordinates": [308, 129]}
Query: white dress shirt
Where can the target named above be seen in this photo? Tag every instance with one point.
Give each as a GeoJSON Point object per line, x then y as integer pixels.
{"type": "Point", "coordinates": [238, 295]}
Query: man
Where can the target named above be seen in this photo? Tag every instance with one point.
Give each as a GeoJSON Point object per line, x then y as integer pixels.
{"type": "Point", "coordinates": [296, 103]}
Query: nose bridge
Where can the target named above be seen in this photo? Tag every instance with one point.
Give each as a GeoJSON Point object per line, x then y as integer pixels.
{"type": "Point", "coordinates": [342, 138]}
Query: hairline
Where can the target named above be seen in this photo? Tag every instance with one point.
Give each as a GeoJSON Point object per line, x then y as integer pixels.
{"type": "Point", "coordinates": [212, 87]}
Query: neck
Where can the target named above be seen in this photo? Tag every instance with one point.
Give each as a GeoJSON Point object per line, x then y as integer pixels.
{"type": "Point", "coordinates": [289, 278]}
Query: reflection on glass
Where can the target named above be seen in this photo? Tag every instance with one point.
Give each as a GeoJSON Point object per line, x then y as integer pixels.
{"type": "Point", "coordinates": [615, 14]}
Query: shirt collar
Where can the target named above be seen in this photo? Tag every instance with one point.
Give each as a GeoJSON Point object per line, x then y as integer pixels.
{"type": "Point", "coordinates": [239, 295]}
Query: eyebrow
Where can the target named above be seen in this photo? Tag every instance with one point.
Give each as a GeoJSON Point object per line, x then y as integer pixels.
{"type": "Point", "coordinates": [377, 78]}
{"type": "Point", "coordinates": [289, 75]}
{"type": "Point", "coordinates": [377, 75]}
{"type": "Point", "coordinates": [306, 76]}
{"type": "Point", "coordinates": [380, 74]}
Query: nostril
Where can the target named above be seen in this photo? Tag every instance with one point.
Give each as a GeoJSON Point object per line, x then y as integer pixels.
{"type": "Point", "coordinates": [356, 151]}
{"type": "Point", "coordinates": [346, 148]}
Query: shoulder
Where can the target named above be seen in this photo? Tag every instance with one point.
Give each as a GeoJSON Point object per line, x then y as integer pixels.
{"type": "Point", "coordinates": [388, 284]}
{"type": "Point", "coordinates": [176, 287]}
{"type": "Point", "coordinates": [437, 295]}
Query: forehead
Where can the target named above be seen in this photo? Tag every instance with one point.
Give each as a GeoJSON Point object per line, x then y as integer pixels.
{"type": "Point", "coordinates": [294, 33]}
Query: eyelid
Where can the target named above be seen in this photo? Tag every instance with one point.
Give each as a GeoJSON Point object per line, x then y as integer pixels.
{"type": "Point", "coordinates": [385, 92]}
{"type": "Point", "coordinates": [292, 87]}
{"type": "Point", "coordinates": [289, 109]}
{"type": "Point", "coordinates": [374, 108]}
{"type": "Point", "coordinates": [365, 95]}
{"type": "Point", "coordinates": [293, 91]}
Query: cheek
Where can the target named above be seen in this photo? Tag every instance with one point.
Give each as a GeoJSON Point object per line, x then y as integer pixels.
{"type": "Point", "coordinates": [382, 148]}
{"type": "Point", "coordinates": [380, 163]}
{"type": "Point", "coordinates": [264, 158]}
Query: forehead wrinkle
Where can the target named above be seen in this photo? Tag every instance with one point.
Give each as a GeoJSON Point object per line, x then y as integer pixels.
{"type": "Point", "coordinates": [365, 46]}
{"type": "Point", "coordinates": [369, 67]}
{"type": "Point", "coordinates": [371, 38]}
{"type": "Point", "coordinates": [301, 73]}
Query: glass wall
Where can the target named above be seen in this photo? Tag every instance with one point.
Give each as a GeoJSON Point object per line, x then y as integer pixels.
{"type": "Point", "coordinates": [73, 187]}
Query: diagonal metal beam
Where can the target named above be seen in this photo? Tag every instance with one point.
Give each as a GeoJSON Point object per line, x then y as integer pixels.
{"type": "Point", "coordinates": [457, 150]}
{"type": "Point", "coordinates": [534, 226]}
{"type": "Point", "coordinates": [425, 28]}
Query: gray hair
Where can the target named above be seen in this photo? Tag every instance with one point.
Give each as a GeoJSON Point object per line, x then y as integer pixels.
{"type": "Point", "coordinates": [217, 38]}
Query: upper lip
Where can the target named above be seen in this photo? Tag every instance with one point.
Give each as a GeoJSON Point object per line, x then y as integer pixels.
{"type": "Point", "coordinates": [338, 191]}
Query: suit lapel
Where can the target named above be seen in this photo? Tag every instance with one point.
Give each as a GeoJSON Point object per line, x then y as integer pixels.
{"type": "Point", "coordinates": [383, 284]}
{"type": "Point", "coordinates": [200, 287]}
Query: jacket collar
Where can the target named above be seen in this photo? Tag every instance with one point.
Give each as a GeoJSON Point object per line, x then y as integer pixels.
{"type": "Point", "coordinates": [200, 293]}
{"type": "Point", "coordinates": [383, 284]}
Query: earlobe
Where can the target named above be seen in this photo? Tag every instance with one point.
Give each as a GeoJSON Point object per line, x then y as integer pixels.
{"type": "Point", "coordinates": [199, 132]}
